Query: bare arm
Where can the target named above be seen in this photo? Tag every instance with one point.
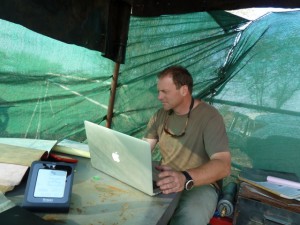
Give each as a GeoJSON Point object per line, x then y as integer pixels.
{"type": "Point", "coordinates": [152, 142]}
{"type": "Point", "coordinates": [217, 168]}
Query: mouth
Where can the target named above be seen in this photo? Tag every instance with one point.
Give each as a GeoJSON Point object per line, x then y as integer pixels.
{"type": "Point", "coordinates": [165, 105]}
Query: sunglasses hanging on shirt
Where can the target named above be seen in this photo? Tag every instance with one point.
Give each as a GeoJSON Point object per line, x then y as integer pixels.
{"type": "Point", "coordinates": [182, 133]}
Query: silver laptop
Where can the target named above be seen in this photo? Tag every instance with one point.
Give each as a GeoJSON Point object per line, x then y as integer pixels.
{"type": "Point", "coordinates": [121, 156]}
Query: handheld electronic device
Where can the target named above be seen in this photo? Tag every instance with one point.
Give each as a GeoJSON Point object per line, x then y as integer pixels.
{"type": "Point", "coordinates": [49, 187]}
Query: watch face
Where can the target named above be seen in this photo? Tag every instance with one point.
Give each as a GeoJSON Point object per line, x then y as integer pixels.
{"type": "Point", "coordinates": [189, 185]}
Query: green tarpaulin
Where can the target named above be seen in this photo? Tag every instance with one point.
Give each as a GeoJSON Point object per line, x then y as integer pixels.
{"type": "Point", "coordinates": [247, 69]}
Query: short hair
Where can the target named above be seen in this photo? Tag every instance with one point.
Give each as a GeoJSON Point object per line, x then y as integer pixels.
{"type": "Point", "coordinates": [180, 75]}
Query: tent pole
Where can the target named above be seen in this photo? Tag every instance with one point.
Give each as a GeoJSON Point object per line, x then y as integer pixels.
{"type": "Point", "coordinates": [112, 95]}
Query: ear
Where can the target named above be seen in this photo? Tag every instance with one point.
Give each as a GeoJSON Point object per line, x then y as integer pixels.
{"type": "Point", "coordinates": [184, 90]}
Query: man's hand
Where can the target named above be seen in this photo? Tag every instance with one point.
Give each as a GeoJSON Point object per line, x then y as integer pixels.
{"type": "Point", "coordinates": [170, 181]}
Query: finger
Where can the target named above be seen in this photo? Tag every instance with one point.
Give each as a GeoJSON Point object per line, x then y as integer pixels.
{"type": "Point", "coordinates": [163, 181]}
{"type": "Point", "coordinates": [170, 188]}
{"type": "Point", "coordinates": [163, 168]}
{"type": "Point", "coordinates": [159, 168]}
{"type": "Point", "coordinates": [167, 173]}
{"type": "Point", "coordinates": [169, 182]}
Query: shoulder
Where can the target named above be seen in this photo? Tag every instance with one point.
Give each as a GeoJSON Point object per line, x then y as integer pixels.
{"type": "Point", "coordinates": [158, 116]}
{"type": "Point", "coordinates": [206, 108]}
{"type": "Point", "coordinates": [160, 113]}
{"type": "Point", "coordinates": [207, 115]}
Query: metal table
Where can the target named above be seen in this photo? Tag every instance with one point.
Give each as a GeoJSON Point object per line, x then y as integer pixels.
{"type": "Point", "coordinates": [99, 199]}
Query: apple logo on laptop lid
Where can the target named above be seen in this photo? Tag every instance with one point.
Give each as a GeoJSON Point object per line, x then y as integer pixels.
{"type": "Point", "coordinates": [116, 156]}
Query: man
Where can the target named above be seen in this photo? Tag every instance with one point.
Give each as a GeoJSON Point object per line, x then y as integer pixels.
{"type": "Point", "coordinates": [194, 146]}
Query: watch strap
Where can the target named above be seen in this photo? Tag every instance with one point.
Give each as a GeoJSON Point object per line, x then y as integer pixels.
{"type": "Point", "coordinates": [189, 183]}
{"type": "Point", "coordinates": [187, 176]}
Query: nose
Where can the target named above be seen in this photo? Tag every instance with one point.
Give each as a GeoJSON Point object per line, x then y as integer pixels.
{"type": "Point", "coordinates": [159, 96]}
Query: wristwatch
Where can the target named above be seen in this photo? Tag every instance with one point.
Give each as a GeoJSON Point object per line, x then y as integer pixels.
{"type": "Point", "coordinates": [189, 182]}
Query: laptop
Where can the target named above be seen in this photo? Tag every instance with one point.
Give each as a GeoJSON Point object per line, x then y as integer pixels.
{"type": "Point", "coordinates": [121, 156]}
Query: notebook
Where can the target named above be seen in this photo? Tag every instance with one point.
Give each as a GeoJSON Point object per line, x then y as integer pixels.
{"type": "Point", "coordinates": [121, 156]}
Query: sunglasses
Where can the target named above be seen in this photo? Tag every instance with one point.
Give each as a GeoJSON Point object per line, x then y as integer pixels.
{"type": "Point", "coordinates": [182, 133]}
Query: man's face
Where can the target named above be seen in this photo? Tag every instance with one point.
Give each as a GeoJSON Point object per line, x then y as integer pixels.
{"type": "Point", "coordinates": [169, 96]}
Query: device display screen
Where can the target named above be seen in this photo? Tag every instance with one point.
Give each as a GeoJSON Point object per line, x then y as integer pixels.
{"type": "Point", "coordinates": [50, 183]}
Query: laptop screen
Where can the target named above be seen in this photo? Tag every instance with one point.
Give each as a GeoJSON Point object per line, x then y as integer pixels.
{"type": "Point", "coordinates": [121, 156]}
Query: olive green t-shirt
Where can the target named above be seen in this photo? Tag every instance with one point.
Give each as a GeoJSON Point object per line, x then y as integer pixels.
{"type": "Point", "coordinates": [205, 135]}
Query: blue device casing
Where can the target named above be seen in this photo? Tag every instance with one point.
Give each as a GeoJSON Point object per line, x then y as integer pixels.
{"type": "Point", "coordinates": [49, 187]}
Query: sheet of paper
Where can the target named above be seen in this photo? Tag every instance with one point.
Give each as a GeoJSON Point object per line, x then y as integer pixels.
{"type": "Point", "coordinates": [38, 144]}
{"type": "Point", "coordinates": [283, 191]}
{"type": "Point", "coordinates": [284, 182]}
{"type": "Point", "coordinates": [4, 188]}
{"type": "Point", "coordinates": [11, 174]}
{"type": "Point", "coordinates": [50, 183]}
{"type": "Point", "coordinates": [5, 203]}
{"type": "Point", "coordinates": [16, 155]}
{"type": "Point", "coordinates": [19, 155]}
{"type": "Point", "coordinates": [73, 148]}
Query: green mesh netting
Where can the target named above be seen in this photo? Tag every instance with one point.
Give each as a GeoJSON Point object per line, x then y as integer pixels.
{"type": "Point", "coordinates": [261, 102]}
{"type": "Point", "coordinates": [195, 41]}
{"type": "Point", "coordinates": [49, 88]}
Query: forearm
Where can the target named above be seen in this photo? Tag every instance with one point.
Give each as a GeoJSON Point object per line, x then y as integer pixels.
{"type": "Point", "coordinates": [152, 142]}
{"type": "Point", "coordinates": [217, 168]}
